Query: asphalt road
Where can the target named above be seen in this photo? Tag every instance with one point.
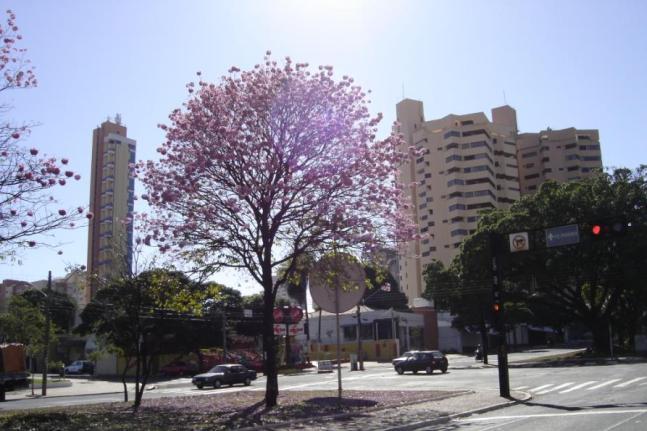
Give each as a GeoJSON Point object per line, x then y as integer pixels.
{"type": "Point", "coordinates": [605, 398]}
{"type": "Point", "coordinates": [589, 397]}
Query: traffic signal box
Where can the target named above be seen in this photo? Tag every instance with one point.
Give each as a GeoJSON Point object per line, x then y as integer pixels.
{"type": "Point", "coordinates": [609, 229]}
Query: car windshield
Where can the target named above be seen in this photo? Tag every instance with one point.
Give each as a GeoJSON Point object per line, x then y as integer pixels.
{"type": "Point", "coordinates": [218, 369]}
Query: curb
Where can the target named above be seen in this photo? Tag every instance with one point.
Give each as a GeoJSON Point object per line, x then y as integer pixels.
{"type": "Point", "coordinates": [446, 418]}
{"type": "Point", "coordinates": [38, 397]}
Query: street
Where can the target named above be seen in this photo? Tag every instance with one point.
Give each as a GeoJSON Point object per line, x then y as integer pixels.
{"type": "Point", "coordinates": [600, 397]}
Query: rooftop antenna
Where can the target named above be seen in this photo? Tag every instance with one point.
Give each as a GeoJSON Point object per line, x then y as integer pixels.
{"type": "Point", "coordinates": [118, 119]}
{"type": "Point", "coordinates": [403, 90]}
{"type": "Point", "coordinates": [505, 102]}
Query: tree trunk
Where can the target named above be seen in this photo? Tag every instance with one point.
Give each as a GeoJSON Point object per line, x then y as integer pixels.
{"type": "Point", "coordinates": [123, 378]}
{"type": "Point", "coordinates": [600, 330]}
{"type": "Point", "coordinates": [269, 347]}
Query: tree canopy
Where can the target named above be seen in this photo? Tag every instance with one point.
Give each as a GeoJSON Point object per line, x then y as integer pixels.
{"type": "Point", "coordinates": [267, 165]}
{"type": "Point", "coordinates": [594, 282]}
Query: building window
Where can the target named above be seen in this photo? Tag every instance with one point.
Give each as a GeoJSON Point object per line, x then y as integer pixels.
{"type": "Point", "coordinates": [572, 168]}
{"type": "Point", "coordinates": [531, 177]}
{"type": "Point", "coordinates": [458, 219]}
{"type": "Point", "coordinates": [472, 219]}
{"type": "Point", "coordinates": [573, 157]}
{"type": "Point", "coordinates": [457, 232]}
{"type": "Point", "coordinates": [451, 146]}
{"type": "Point", "coordinates": [451, 133]}
{"type": "Point", "coordinates": [529, 165]}
{"type": "Point", "coordinates": [590, 158]}
{"type": "Point", "coordinates": [583, 138]}
{"type": "Point", "coordinates": [476, 132]}
{"type": "Point", "coordinates": [456, 207]}
{"type": "Point", "coordinates": [455, 182]}
{"type": "Point", "coordinates": [467, 123]}
{"type": "Point", "coordinates": [452, 170]}
{"type": "Point", "coordinates": [527, 155]}
{"type": "Point", "coordinates": [452, 158]}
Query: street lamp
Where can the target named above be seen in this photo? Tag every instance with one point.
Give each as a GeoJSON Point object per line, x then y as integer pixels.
{"type": "Point", "coordinates": [45, 336]}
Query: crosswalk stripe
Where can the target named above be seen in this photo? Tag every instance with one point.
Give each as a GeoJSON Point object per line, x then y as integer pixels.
{"type": "Point", "coordinates": [539, 388]}
{"type": "Point", "coordinates": [576, 387]}
{"type": "Point", "coordinates": [563, 385]}
{"type": "Point", "coordinates": [622, 385]}
{"type": "Point", "coordinates": [603, 384]}
{"type": "Point", "coordinates": [520, 388]}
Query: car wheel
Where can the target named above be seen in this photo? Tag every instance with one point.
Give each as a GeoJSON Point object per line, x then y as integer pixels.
{"type": "Point", "coordinates": [200, 385]}
{"type": "Point", "coordinates": [429, 370]}
{"type": "Point", "coordinates": [248, 381]}
{"type": "Point", "coordinates": [399, 370]}
{"type": "Point", "coordinates": [231, 385]}
{"type": "Point", "coordinates": [415, 371]}
{"type": "Point", "coordinates": [217, 384]}
{"type": "Point", "coordinates": [444, 370]}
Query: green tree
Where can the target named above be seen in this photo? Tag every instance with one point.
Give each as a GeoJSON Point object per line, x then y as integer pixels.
{"type": "Point", "coordinates": [596, 282]}
{"type": "Point", "coordinates": [144, 316]}
{"type": "Point", "coordinates": [24, 323]}
{"type": "Point", "coordinates": [60, 305]}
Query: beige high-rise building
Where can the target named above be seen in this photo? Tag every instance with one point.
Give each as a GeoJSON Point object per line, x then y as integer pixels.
{"type": "Point", "coordinates": [111, 202]}
{"type": "Point", "coordinates": [560, 155]}
{"type": "Point", "coordinates": [469, 164]}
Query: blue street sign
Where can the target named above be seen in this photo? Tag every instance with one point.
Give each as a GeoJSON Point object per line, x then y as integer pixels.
{"type": "Point", "coordinates": [562, 235]}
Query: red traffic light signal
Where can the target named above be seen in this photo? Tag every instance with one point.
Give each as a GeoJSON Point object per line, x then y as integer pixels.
{"type": "Point", "coordinates": [496, 307]}
{"type": "Point", "coordinates": [613, 228]}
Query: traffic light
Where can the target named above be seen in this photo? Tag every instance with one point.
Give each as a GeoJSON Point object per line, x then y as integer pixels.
{"type": "Point", "coordinates": [609, 229]}
{"type": "Point", "coordinates": [496, 308]}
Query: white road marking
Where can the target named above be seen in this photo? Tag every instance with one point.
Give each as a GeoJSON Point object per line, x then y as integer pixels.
{"type": "Point", "coordinates": [518, 388]}
{"type": "Point", "coordinates": [539, 388]}
{"type": "Point", "coordinates": [622, 422]}
{"type": "Point", "coordinates": [555, 388]}
{"type": "Point", "coordinates": [622, 385]}
{"type": "Point", "coordinates": [603, 384]}
{"type": "Point", "coordinates": [554, 415]}
{"type": "Point", "coordinates": [576, 387]}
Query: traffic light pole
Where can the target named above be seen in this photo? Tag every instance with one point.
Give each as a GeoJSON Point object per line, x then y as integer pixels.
{"type": "Point", "coordinates": [502, 348]}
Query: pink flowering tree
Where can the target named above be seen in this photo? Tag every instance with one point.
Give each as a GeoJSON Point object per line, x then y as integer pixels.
{"type": "Point", "coordinates": [27, 208]}
{"type": "Point", "coordinates": [270, 164]}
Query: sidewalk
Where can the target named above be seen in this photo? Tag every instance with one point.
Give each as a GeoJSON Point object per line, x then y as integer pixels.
{"type": "Point", "coordinates": [410, 417]}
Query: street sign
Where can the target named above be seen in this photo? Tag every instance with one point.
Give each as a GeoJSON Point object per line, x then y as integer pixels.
{"type": "Point", "coordinates": [519, 242]}
{"type": "Point", "coordinates": [562, 235]}
{"type": "Point", "coordinates": [298, 329]}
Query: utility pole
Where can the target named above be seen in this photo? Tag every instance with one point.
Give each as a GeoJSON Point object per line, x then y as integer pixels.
{"type": "Point", "coordinates": [224, 335]}
{"type": "Point", "coordinates": [359, 340]}
{"type": "Point", "coordinates": [46, 335]}
{"type": "Point", "coordinates": [497, 309]}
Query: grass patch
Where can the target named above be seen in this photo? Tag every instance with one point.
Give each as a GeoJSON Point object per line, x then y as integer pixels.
{"type": "Point", "coordinates": [212, 412]}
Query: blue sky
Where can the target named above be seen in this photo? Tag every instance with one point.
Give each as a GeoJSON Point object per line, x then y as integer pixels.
{"type": "Point", "coordinates": [559, 63]}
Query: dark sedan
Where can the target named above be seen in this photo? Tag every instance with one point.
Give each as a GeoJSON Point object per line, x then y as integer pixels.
{"type": "Point", "coordinates": [427, 361]}
{"type": "Point", "coordinates": [225, 374]}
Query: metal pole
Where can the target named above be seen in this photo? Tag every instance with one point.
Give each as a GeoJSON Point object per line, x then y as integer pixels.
{"type": "Point", "coordinates": [359, 340]}
{"type": "Point", "coordinates": [46, 335]}
{"type": "Point", "coordinates": [502, 352]}
{"type": "Point", "coordinates": [338, 343]}
{"type": "Point", "coordinates": [610, 340]}
{"type": "Point", "coordinates": [224, 335]}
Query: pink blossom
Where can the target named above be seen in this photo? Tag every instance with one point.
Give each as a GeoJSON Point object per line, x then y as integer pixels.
{"type": "Point", "coordinates": [69, 174]}
{"type": "Point", "coordinates": [89, 216]}
{"type": "Point", "coordinates": [64, 161]}
{"type": "Point", "coordinates": [62, 212]}
{"type": "Point", "coordinates": [33, 151]}
{"type": "Point", "coordinates": [31, 243]}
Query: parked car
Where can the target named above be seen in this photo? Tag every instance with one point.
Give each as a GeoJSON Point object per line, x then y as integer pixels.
{"type": "Point", "coordinates": [179, 368]}
{"type": "Point", "coordinates": [427, 361]}
{"type": "Point", "coordinates": [225, 374]}
{"type": "Point", "coordinates": [80, 367]}
{"type": "Point", "coordinates": [324, 366]}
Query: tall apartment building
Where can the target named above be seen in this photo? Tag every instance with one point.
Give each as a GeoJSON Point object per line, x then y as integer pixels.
{"type": "Point", "coordinates": [469, 164]}
{"type": "Point", "coordinates": [111, 201]}
{"type": "Point", "coordinates": [560, 155]}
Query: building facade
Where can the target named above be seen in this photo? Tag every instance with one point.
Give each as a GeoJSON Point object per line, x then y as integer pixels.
{"type": "Point", "coordinates": [111, 202]}
{"type": "Point", "coordinates": [560, 155]}
{"type": "Point", "coordinates": [469, 163]}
